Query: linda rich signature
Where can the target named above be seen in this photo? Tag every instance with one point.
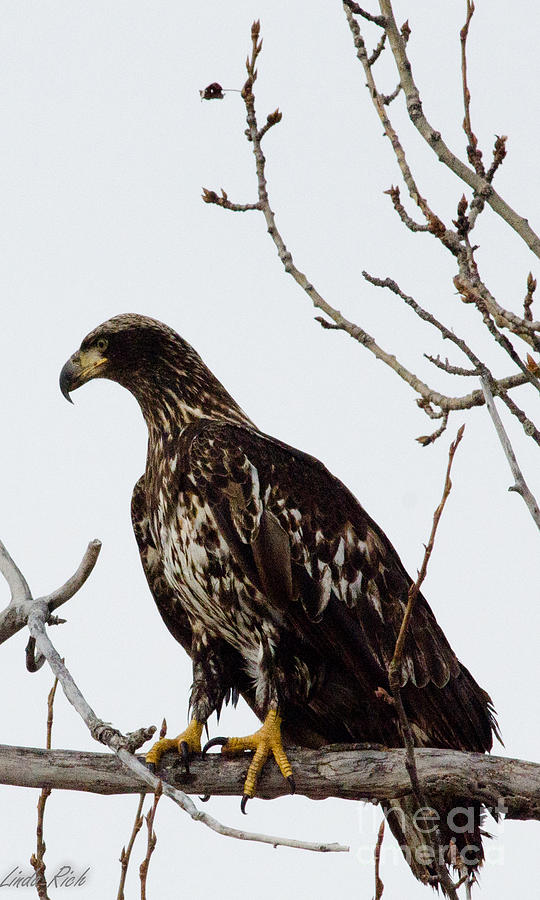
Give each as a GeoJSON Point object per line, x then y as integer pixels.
{"type": "Point", "coordinates": [64, 877]}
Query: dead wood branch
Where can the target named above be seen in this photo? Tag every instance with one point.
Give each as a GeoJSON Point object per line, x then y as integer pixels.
{"type": "Point", "coordinates": [341, 771]}
{"type": "Point", "coordinates": [520, 486]}
{"type": "Point", "coordinates": [15, 615]}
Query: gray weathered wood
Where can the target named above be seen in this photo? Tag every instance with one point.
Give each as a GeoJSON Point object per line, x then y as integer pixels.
{"type": "Point", "coordinates": [15, 616]}
{"type": "Point", "coordinates": [370, 775]}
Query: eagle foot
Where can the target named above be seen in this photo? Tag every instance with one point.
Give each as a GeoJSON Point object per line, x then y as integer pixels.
{"type": "Point", "coordinates": [265, 741]}
{"type": "Point", "coordinates": [186, 743]}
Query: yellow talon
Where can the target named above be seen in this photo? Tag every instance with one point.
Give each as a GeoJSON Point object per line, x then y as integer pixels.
{"type": "Point", "coordinates": [189, 741]}
{"type": "Point", "coordinates": [264, 741]}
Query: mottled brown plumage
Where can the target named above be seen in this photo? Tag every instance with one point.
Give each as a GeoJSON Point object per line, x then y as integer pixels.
{"type": "Point", "coordinates": [268, 571]}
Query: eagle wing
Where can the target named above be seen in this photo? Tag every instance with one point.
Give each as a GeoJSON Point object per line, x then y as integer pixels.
{"type": "Point", "coordinates": [307, 544]}
{"type": "Point", "coordinates": [170, 609]}
{"type": "Point", "coordinates": [169, 604]}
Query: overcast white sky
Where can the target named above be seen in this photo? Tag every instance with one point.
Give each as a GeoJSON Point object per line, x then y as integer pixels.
{"type": "Point", "coordinates": [105, 148]}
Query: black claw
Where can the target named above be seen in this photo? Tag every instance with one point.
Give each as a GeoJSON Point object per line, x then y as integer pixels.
{"type": "Point", "coordinates": [245, 799]}
{"type": "Point", "coordinates": [292, 784]}
{"type": "Point", "coordinates": [205, 799]}
{"type": "Point", "coordinates": [184, 750]}
{"type": "Point", "coordinates": [215, 742]}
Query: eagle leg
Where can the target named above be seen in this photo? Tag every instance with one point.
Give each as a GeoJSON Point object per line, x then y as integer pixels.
{"type": "Point", "coordinates": [186, 743]}
{"type": "Point", "coordinates": [265, 741]}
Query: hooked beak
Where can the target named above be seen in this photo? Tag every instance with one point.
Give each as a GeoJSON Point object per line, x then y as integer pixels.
{"type": "Point", "coordinates": [80, 368]}
{"type": "Point", "coordinates": [69, 376]}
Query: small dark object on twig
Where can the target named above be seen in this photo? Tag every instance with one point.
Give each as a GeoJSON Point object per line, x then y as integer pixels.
{"type": "Point", "coordinates": [213, 91]}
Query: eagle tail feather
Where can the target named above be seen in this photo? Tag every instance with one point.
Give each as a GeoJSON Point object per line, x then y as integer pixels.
{"type": "Point", "coordinates": [459, 832]}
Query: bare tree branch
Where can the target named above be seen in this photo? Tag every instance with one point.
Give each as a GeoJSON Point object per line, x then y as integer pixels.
{"type": "Point", "coordinates": [473, 153]}
{"type": "Point", "coordinates": [379, 886]}
{"type": "Point", "coordinates": [125, 855]}
{"type": "Point", "coordinates": [378, 50]}
{"type": "Point", "coordinates": [510, 786]}
{"type": "Point", "coordinates": [499, 387]}
{"type": "Point", "coordinates": [18, 585]}
{"type": "Point", "coordinates": [394, 669]}
{"type": "Point", "coordinates": [529, 297]}
{"type": "Point", "coordinates": [358, 11]}
{"type": "Point", "coordinates": [434, 403]}
{"type": "Point", "coordinates": [433, 137]}
{"type": "Point", "coordinates": [395, 679]}
{"type": "Point", "coordinates": [520, 485]}
{"type": "Point", "coordinates": [37, 860]}
{"type": "Point", "coordinates": [151, 840]}
{"type": "Point", "coordinates": [435, 225]}
{"type": "Point", "coordinates": [15, 616]}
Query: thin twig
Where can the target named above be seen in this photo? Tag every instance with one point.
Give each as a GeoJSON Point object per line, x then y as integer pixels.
{"type": "Point", "coordinates": [434, 139]}
{"type": "Point", "coordinates": [529, 297]}
{"type": "Point", "coordinates": [451, 369]}
{"type": "Point", "coordinates": [223, 201]}
{"type": "Point", "coordinates": [394, 194]}
{"type": "Point", "coordinates": [499, 154]}
{"type": "Point", "coordinates": [379, 886]}
{"type": "Point", "coordinates": [387, 99]}
{"type": "Point", "coordinates": [479, 294]}
{"type": "Point", "coordinates": [394, 670]}
{"type": "Point", "coordinates": [358, 11]}
{"type": "Point", "coordinates": [395, 677]}
{"type": "Point", "coordinates": [498, 387]}
{"type": "Point", "coordinates": [378, 50]}
{"type": "Point", "coordinates": [529, 427]}
{"type": "Point", "coordinates": [473, 153]}
{"type": "Point", "coordinates": [435, 224]}
{"type": "Point", "coordinates": [426, 439]}
{"type": "Point", "coordinates": [151, 840]}
{"type": "Point", "coordinates": [520, 485]}
{"type": "Point", "coordinates": [37, 860]}
{"type": "Point", "coordinates": [506, 344]}
{"type": "Point", "coordinates": [125, 855]}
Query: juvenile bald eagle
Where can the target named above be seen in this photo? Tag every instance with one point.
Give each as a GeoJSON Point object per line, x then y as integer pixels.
{"type": "Point", "coordinates": [275, 580]}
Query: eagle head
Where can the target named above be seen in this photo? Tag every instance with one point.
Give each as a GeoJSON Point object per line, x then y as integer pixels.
{"type": "Point", "coordinates": [164, 373]}
{"type": "Point", "coordinates": [125, 349]}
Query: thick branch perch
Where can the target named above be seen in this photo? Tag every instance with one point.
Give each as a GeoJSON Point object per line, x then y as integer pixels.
{"type": "Point", "coordinates": [346, 773]}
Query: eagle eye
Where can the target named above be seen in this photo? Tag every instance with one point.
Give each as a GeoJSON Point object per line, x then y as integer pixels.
{"type": "Point", "coordinates": [102, 344]}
